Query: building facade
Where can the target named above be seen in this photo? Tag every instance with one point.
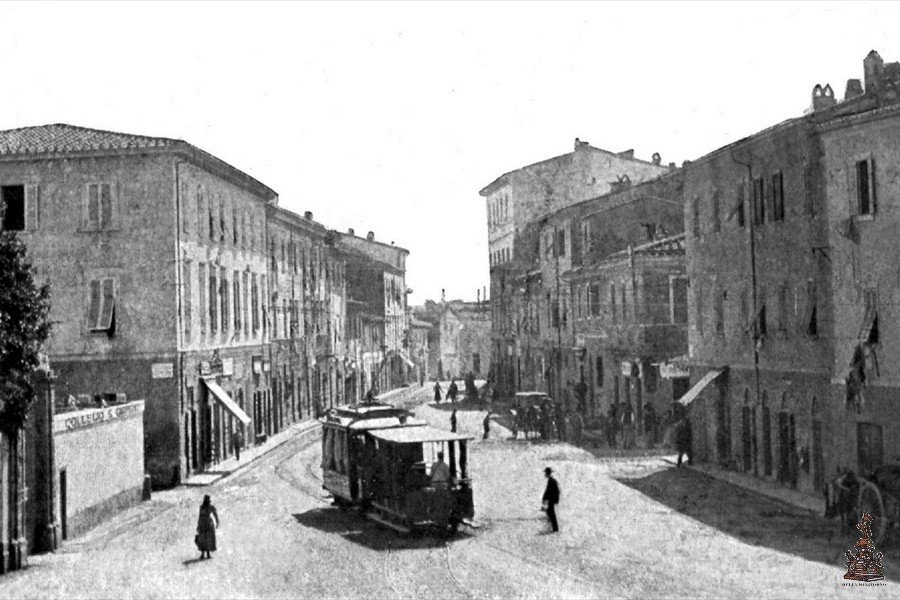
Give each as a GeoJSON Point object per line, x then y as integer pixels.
{"type": "Point", "coordinates": [517, 200]}
{"type": "Point", "coordinates": [176, 278]}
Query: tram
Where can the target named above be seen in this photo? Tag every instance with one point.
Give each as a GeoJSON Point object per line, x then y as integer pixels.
{"type": "Point", "coordinates": [377, 458]}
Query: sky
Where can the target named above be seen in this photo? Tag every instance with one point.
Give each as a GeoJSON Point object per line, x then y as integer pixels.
{"type": "Point", "coordinates": [390, 117]}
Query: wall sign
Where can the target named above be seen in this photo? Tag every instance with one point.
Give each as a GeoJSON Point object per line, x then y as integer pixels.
{"type": "Point", "coordinates": [162, 370]}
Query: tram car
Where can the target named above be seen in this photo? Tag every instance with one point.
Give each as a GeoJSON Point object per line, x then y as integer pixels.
{"type": "Point", "coordinates": [377, 458]}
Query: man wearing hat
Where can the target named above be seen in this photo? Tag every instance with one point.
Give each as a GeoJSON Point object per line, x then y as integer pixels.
{"type": "Point", "coordinates": [551, 498]}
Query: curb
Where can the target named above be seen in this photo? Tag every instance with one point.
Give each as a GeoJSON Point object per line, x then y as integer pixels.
{"type": "Point", "coordinates": [299, 431]}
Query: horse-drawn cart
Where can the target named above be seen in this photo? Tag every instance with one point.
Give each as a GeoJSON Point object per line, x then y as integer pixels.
{"type": "Point", "coordinates": [851, 496]}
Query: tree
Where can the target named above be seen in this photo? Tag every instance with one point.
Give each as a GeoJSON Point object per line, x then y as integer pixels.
{"type": "Point", "coordinates": [24, 327]}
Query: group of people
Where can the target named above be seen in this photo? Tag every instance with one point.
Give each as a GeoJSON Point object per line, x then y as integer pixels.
{"type": "Point", "coordinates": [548, 421]}
{"type": "Point", "coordinates": [452, 391]}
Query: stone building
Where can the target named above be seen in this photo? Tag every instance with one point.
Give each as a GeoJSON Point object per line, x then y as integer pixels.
{"type": "Point", "coordinates": [176, 278]}
{"type": "Point", "coordinates": [580, 308]}
{"type": "Point", "coordinates": [792, 289]}
{"type": "Point", "coordinates": [522, 197]}
{"type": "Point", "coordinates": [465, 339]}
{"type": "Point", "coordinates": [377, 309]}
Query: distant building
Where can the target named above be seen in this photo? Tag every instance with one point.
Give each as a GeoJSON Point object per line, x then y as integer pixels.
{"type": "Point", "coordinates": [465, 339]}
{"type": "Point", "coordinates": [523, 197]}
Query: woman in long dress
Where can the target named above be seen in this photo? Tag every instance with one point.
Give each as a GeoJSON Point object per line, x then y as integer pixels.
{"type": "Point", "coordinates": [207, 523]}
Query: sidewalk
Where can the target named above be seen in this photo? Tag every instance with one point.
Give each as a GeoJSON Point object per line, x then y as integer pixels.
{"type": "Point", "coordinates": [248, 455]}
{"type": "Point", "coordinates": [764, 487]}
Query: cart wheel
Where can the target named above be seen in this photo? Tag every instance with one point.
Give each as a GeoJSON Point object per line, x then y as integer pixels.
{"type": "Point", "coordinates": [869, 501]}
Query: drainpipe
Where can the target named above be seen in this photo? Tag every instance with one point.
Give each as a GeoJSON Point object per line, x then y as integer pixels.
{"type": "Point", "coordinates": [753, 277]}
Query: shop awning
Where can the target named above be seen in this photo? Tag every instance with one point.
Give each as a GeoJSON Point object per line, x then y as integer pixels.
{"type": "Point", "coordinates": [226, 401]}
{"type": "Point", "coordinates": [408, 362]}
{"type": "Point", "coordinates": [698, 387]}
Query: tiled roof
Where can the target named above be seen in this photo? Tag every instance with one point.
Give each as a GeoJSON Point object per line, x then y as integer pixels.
{"type": "Point", "coordinates": [60, 137]}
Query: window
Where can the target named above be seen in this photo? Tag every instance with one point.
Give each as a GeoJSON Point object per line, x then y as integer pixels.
{"type": "Point", "coordinates": [201, 213]}
{"type": "Point", "coordinates": [101, 314]}
{"type": "Point", "coordinates": [679, 300]}
{"type": "Point", "coordinates": [612, 302]}
{"type": "Point", "coordinates": [98, 206]}
{"type": "Point", "coordinates": [599, 364]}
{"type": "Point", "coordinates": [585, 239]}
{"type": "Point", "coordinates": [202, 288]}
{"type": "Point", "coordinates": [741, 217]}
{"type": "Point", "coordinates": [212, 219]}
{"type": "Point", "coordinates": [594, 299]}
{"type": "Point", "coordinates": [476, 362]}
{"type": "Point", "coordinates": [716, 221]}
{"type": "Point", "coordinates": [624, 304]}
{"type": "Point", "coordinates": [213, 300]}
{"type": "Point", "coordinates": [235, 230]}
{"type": "Point", "coordinates": [720, 313]}
{"type": "Point", "coordinates": [695, 207]}
{"type": "Point", "coordinates": [254, 307]}
{"type": "Point", "coordinates": [865, 186]}
{"type": "Point", "coordinates": [222, 228]}
{"type": "Point", "coordinates": [186, 290]}
{"type": "Point", "coordinates": [777, 197]}
{"type": "Point", "coordinates": [698, 295]}
{"type": "Point", "coordinates": [555, 313]}
{"type": "Point", "coordinates": [783, 308]}
{"type": "Point", "coordinates": [812, 317]}
{"type": "Point", "coordinates": [561, 242]}
{"type": "Point", "coordinates": [237, 300]}
{"type": "Point", "coordinates": [869, 332]}
{"type": "Point", "coordinates": [759, 203]}
{"type": "Point", "coordinates": [225, 294]}
{"type": "Point", "coordinates": [761, 313]}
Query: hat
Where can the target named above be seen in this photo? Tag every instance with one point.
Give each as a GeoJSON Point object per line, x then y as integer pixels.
{"type": "Point", "coordinates": [548, 470]}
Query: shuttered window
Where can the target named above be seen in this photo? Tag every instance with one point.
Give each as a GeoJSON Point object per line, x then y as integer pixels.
{"type": "Point", "coordinates": [101, 313]}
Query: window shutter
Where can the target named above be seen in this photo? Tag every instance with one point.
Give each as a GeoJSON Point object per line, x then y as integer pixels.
{"type": "Point", "coordinates": [872, 200]}
{"type": "Point", "coordinates": [94, 309]}
{"type": "Point", "coordinates": [109, 304]}
{"type": "Point", "coordinates": [93, 207]}
{"type": "Point", "coordinates": [106, 209]}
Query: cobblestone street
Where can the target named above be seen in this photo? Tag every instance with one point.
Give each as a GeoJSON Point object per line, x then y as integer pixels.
{"type": "Point", "coordinates": [630, 528]}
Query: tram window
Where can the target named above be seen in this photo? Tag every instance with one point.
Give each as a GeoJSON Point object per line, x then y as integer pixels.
{"type": "Point", "coordinates": [326, 446]}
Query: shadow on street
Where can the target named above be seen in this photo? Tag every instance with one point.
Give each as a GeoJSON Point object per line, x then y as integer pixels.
{"type": "Point", "coordinates": [359, 530]}
{"type": "Point", "coordinates": [756, 519]}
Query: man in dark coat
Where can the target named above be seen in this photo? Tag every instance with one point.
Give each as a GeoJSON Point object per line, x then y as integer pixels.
{"type": "Point", "coordinates": [237, 441]}
{"type": "Point", "coordinates": [684, 439]}
{"type": "Point", "coordinates": [453, 421]}
{"type": "Point", "coordinates": [612, 424]}
{"type": "Point", "coordinates": [437, 391]}
{"type": "Point", "coordinates": [487, 425]}
{"type": "Point", "coordinates": [551, 498]}
{"type": "Point", "coordinates": [452, 391]}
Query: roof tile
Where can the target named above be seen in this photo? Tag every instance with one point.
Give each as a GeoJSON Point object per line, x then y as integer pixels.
{"type": "Point", "coordinates": [60, 137]}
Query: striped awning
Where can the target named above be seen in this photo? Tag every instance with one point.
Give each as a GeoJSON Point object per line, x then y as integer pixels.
{"type": "Point", "coordinates": [698, 387]}
{"type": "Point", "coordinates": [227, 403]}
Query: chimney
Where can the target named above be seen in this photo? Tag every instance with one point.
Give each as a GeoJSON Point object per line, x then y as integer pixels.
{"type": "Point", "coordinates": [579, 144]}
{"type": "Point", "coordinates": [308, 215]}
{"type": "Point", "coordinates": [478, 296]}
{"type": "Point", "coordinates": [351, 232]}
{"type": "Point", "coordinates": [873, 66]}
{"type": "Point", "coordinates": [484, 294]}
{"type": "Point", "coordinates": [443, 295]}
{"type": "Point", "coordinates": [629, 154]}
{"type": "Point", "coordinates": [822, 97]}
{"type": "Point", "coordinates": [672, 166]}
{"type": "Point", "coordinates": [370, 237]}
{"type": "Point", "coordinates": [657, 159]}
{"type": "Point", "coordinates": [854, 89]}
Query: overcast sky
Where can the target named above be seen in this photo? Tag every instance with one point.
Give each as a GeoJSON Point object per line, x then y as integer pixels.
{"type": "Point", "coordinates": [391, 117]}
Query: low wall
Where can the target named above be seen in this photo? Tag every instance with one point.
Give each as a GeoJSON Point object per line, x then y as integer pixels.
{"type": "Point", "coordinates": [100, 463]}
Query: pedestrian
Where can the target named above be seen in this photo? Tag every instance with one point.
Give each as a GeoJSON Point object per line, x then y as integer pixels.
{"type": "Point", "coordinates": [628, 426]}
{"type": "Point", "coordinates": [578, 428]}
{"type": "Point", "coordinates": [440, 472]}
{"type": "Point", "coordinates": [611, 426]}
{"type": "Point", "coordinates": [421, 379]}
{"type": "Point", "coordinates": [437, 391]}
{"type": "Point", "coordinates": [452, 390]}
{"type": "Point", "coordinates": [453, 421]}
{"type": "Point", "coordinates": [370, 397]}
{"type": "Point", "coordinates": [551, 498]}
{"type": "Point", "coordinates": [487, 425]}
{"type": "Point", "coordinates": [515, 423]}
{"type": "Point", "coordinates": [207, 523]}
{"type": "Point", "coordinates": [650, 424]}
{"type": "Point", "coordinates": [237, 441]}
{"type": "Point", "coordinates": [684, 439]}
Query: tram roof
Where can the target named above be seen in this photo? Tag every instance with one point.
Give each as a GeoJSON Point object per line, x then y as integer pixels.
{"type": "Point", "coordinates": [417, 435]}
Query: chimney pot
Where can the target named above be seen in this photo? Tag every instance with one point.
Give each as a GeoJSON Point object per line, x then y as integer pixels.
{"type": "Point", "coordinates": [351, 232]}
{"type": "Point", "coordinates": [672, 166]}
{"type": "Point", "coordinates": [370, 237]}
{"type": "Point", "coordinates": [308, 215]}
{"type": "Point", "coordinates": [657, 159]}
{"type": "Point", "coordinates": [854, 89]}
